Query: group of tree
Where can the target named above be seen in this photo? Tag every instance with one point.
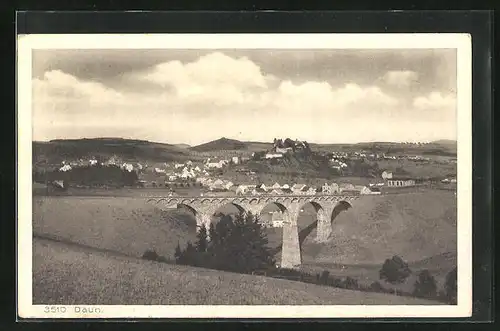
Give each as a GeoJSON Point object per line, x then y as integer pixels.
{"type": "Point", "coordinates": [92, 176]}
{"type": "Point", "coordinates": [237, 245]}
{"type": "Point", "coordinates": [396, 271]}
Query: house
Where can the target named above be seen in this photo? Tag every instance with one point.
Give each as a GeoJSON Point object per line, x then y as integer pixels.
{"type": "Point", "coordinates": [242, 189]}
{"type": "Point", "coordinates": [214, 165]}
{"type": "Point", "coordinates": [159, 171]}
{"type": "Point", "coordinates": [297, 188]}
{"type": "Point", "coordinates": [258, 191]}
{"type": "Point", "coordinates": [286, 186]}
{"type": "Point", "coordinates": [197, 169]}
{"type": "Point", "coordinates": [178, 165]}
{"type": "Point", "coordinates": [262, 187]}
{"type": "Point", "coordinates": [276, 191]}
{"type": "Point", "coordinates": [375, 190]}
{"type": "Point", "coordinates": [93, 162]}
{"type": "Point", "coordinates": [172, 178]}
{"type": "Point", "coordinates": [346, 187]}
{"type": "Point", "coordinates": [218, 182]}
{"type": "Point", "coordinates": [330, 189]}
{"type": "Point", "coordinates": [236, 159]}
{"type": "Point", "coordinates": [309, 190]}
{"type": "Point", "coordinates": [65, 168]}
{"type": "Point", "coordinates": [363, 189]}
{"type": "Point", "coordinates": [386, 174]}
{"type": "Point", "coordinates": [276, 186]}
{"type": "Point", "coordinates": [287, 191]}
{"type": "Point", "coordinates": [400, 181]}
{"type": "Point", "coordinates": [228, 185]}
{"type": "Point", "coordinates": [127, 166]}
{"type": "Point", "coordinates": [273, 156]}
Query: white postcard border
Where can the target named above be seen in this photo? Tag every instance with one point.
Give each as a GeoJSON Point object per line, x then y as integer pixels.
{"type": "Point", "coordinates": [461, 42]}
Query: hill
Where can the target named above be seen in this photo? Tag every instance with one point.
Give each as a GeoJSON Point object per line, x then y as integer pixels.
{"type": "Point", "coordinates": [55, 151]}
{"type": "Point", "coordinates": [64, 274]}
{"type": "Point", "coordinates": [220, 144]}
{"type": "Point", "coordinates": [127, 225]}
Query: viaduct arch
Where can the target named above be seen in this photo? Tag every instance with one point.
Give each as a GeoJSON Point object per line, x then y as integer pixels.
{"type": "Point", "coordinates": [327, 208]}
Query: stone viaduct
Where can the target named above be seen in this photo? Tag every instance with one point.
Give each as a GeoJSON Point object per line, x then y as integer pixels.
{"type": "Point", "coordinates": [204, 207]}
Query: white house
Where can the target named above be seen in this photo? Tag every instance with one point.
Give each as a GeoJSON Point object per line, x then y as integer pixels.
{"type": "Point", "coordinates": [285, 187]}
{"type": "Point", "coordinates": [387, 174]}
{"type": "Point", "coordinates": [65, 168]}
{"type": "Point", "coordinates": [262, 187]}
{"type": "Point", "coordinates": [236, 160]}
{"type": "Point", "coordinates": [346, 187]}
{"type": "Point", "coordinates": [172, 178]}
{"type": "Point", "coordinates": [297, 188]}
{"type": "Point", "coordinates": [242, 189]}
{"type": "Point", "coordinates": [228, 185]}
{"type": "Point", "coordinates": [273, 156]}
{"type": "Point", "coordinates": [127, 166]}
{"type": "Point", "coordinates": [159, 171]}
{"type": "Point", "coordinates": [276, 186]}
{"type": "Point", "coordinates": [178, 165]}
{"type": "Point", "coordinates": [93, 162]}
{"type": "Point", "coordinates": [400, 182]}
{"type": "Point", "coordinates": [330, 189]}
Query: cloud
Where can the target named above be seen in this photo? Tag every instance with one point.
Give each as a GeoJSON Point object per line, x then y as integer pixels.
{"type": "Point", "coordinates": [435, 101]}
{"type": "Point", "coordinates": [218, 95]}
{"type": "Point", "coordinates": [400, 78]}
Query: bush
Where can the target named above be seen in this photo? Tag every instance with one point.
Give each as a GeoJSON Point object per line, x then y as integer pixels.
{"type": "Point", "coordinates": [151, 255]}
{"type": "Point", "coordinates": [425, 286]}
{"type": "Point", "coordinates": [450, 286]}
{"type": "Point", "coordinates": [395, 270]}
{"type": "Point", "coordinates": [376, 287]}
{"type": "Point", "coordinates": [350, 283]}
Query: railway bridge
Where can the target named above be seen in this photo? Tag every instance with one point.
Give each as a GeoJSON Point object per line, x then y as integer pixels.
{"type": "Point", "coordinates": [203, 208]}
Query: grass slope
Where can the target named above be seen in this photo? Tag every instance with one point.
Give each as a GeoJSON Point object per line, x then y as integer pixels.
{"type": "Point", "coordinates": [126, 225]}
{"type": "Point", "coordinates": [65, 275]}
{"type": "Point", "coordinates": [220, 144]}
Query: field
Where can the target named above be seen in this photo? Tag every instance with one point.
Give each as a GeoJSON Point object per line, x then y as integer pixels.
{"type": "Point", "coordinates": [122, 224]}
{"type": "Point", "coordinates": [420, 227]}
{"type": "Point", "coordinates": [63, 274]}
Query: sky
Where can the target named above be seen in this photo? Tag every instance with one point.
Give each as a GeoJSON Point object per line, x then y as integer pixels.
{"type": "Point", "coordinates": [195, 96]}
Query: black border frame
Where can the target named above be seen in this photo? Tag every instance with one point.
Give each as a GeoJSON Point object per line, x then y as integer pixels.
{"type": "Point", "coordinates": [477, 23]}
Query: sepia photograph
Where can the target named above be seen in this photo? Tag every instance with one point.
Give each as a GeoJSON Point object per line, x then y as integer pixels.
{"type": "Point", "coordinates": [244, 175]}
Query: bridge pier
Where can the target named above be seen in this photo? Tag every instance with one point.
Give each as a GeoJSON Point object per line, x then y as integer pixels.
{"type": "Point", "coordinates": [290, 253]}
{"type": "Point", "coordinates": [324, 228]}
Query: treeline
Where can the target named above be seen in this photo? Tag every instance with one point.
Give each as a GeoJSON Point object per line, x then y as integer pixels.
{"type": "Point", "coordinates": [90, 176]}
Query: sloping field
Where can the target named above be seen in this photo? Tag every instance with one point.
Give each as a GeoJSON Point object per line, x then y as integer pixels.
{"type": "Point", "coordinates": [126, 225]}
{"type": "Point", "coordinates": [63, 274]}
{"type": "Point", "coordinates": [414, 226]}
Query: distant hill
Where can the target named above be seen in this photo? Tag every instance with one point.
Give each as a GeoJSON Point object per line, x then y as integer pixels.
{"type": "Point", "coordinates": [183, 146]}
{"type": "Point", "coordinates": [220, 144]}
{"type": "Point", "coordinates": [55, 151]}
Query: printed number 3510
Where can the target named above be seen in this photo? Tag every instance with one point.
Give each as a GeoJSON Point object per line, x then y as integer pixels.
{"type": "Point", "coordinates": [54, 309]}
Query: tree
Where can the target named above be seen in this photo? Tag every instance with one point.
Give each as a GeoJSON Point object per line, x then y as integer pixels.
{"type": "Point", "coordinates": [394, 270]}
{"type": "Point", "coordinates": [450, 286]}
{"type": "Point", "coordinates": [202, 240]}
{"type": "Point", "coordinates": [238, 245]}
{"type": "Point", "coordinates": [178, 253]}
{"type": "Point", "coordinates": [425, 286]}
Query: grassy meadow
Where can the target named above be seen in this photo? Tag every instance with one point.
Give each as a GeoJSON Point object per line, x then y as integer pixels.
{"type": "Point", "coordinates": [420, 227]}
{"type": "Point", "coordinates": [63, 274]}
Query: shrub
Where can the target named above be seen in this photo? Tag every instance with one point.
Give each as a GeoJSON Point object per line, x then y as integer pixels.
{"type": "Point", "coordinates": [350, 283]}
{"type": "Point", "coordinates": [425, 286]}
{"type": "Point", "coordinates": [450, 286]}
{"type": "Point", "coordinates": [376, 287]}
{"type": "Point", "coordinates": [394, 270]}
{"type": "Point", "coordinates": [151, 255]}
